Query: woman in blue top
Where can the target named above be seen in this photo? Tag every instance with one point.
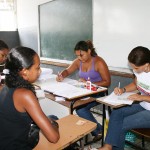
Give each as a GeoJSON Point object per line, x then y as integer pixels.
{"type": "Point", "coordinates": [89, 65]}
{"type": "Point", "coordinates": [18, 102]}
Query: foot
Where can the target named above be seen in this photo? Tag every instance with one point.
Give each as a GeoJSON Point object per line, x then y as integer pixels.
{"type": "Point", "coordinates": [106, 147]}
{"type": "Point", "coordinates": [90, 148]}
{"type": "Point", "coordinates": [97, 138]}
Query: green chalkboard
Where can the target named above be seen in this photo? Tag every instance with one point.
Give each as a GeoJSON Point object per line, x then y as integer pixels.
{"type": "Point", "coordinates": [62, 23]}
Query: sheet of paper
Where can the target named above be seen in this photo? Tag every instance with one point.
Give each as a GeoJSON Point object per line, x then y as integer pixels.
{"type": "Point", "coordinates": [45, 74]}
{"type": "Point", "coordinates": [69, 88]}
{"type": "Point", "coordinates": [40, 94]}
{"type": "Point", "coordinates": [119, 99]}
{"type": "Point", "coordinates": [63, 89]}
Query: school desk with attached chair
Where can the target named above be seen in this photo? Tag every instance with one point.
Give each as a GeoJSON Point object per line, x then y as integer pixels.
{"type": "Point", "coordinates": [72, 129]}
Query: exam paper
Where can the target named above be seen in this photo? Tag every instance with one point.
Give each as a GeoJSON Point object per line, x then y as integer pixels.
{"type": "Point", "coordinates": [46, 73]}
{"type": "Point", "coordinates": [64, 89]}
{"type": "Point", "coordinates": [119, 99]}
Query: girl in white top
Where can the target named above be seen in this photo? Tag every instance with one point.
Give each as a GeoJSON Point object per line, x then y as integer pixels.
{"type": "Point", "coordinates": [138, 114]}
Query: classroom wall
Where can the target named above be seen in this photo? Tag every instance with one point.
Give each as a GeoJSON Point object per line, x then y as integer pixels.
{"type": "Point", "coordinates": [11, 38]}
{"type": "Point", "coordinates": [118, 26]}
{"type": "Point", "coordinates": [27, 15]}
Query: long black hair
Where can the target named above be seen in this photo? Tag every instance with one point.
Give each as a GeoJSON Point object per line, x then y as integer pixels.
{"type": "Point", "coordinates": [19, 58]}
{"type": "Point", "coordinates": [139, 56]}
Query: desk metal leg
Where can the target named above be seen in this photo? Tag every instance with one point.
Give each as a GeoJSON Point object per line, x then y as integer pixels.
{"type": "Point", "coordinates": [81, 144]}
{"type": "Point", "coordinates": [71, 106]}
{"type": "Point", "coordinates": [103, 119]}
{"type": "Point", "coordinates": [103, 123]}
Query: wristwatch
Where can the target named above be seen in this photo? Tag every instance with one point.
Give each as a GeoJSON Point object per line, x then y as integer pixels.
{"type": "Point", "coordinates": [124, 90]}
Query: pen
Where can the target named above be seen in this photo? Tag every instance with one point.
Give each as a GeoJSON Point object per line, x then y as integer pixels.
{"type": "Point", "coordinates": [59, 74]}
{"type": "Point", "coordinates": [119, 85]}
{"type": "Point", "coordinates": [119, 88]}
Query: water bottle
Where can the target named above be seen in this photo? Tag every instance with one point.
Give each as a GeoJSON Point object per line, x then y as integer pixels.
{"type": "Point", "coordinates": [88, 84]}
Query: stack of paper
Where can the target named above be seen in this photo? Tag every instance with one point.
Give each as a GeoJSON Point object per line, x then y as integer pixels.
{"type": "Point", "coordinates": [45, 74]}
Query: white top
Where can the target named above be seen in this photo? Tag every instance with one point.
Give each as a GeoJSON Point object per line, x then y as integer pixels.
{"type": "Point", "coordinates": [143, 85]}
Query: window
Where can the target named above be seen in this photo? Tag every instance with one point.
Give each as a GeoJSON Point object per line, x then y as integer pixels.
{"type": "Point", "coordinates": [8, 15]}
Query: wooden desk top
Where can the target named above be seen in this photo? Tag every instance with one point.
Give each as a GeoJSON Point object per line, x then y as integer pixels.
{"type": "Point", "coordinates": [70, 132]}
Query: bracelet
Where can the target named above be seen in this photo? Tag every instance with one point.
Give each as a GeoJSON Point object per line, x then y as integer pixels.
{"type": "Point", "coordinates": [124, 90]}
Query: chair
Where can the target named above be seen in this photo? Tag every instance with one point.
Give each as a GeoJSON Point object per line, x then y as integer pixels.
{"type": "Point", "coordinates": [143, 133]}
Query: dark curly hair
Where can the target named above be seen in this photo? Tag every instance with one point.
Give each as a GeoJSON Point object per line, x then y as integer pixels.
{"type": "Point", "coordinates": [19, 58]}
{"type": "Point", "coordinates": [139, 56]}
{"type": "Point", "coordinates": [84, 46]}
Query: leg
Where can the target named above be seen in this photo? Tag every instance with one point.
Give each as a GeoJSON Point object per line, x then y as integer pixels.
{"type": "Point", "coordinates": [116, 134]}
{"type": "Point", "coordinates": [85, 112]}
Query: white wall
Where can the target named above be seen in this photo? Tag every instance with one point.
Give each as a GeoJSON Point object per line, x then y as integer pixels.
{"type": "Point", "coordinates": [27, 20]}
{"type": "Point", "coordinates": [27, 13]}
{"type": "Point", "coordinates": [118, 26]}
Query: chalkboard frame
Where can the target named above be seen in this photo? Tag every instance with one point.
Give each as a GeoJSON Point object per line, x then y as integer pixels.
{"type": "Point", "coordinates": [87, 34]}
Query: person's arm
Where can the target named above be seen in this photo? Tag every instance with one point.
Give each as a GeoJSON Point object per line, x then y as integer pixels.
{"type": "Point", "coordinates": [26, 101]}
{"type": "Point", "coordinates": [102, 68]}
{"type": "Point", "coordinates": [128, 88]}
{"type": "Point", "coordinates": [65, 73]}
{"type": "Point", "coordinates": [138, 97]}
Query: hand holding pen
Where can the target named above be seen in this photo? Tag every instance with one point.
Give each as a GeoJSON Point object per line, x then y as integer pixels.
{"type": "Point", "coordinates": [118, 91]}
{"type": "Point", "coordinates": [59, 77]}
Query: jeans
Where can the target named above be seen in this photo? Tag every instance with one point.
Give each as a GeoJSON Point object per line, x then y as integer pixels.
{"type": "Point", "coordinates": [85, 113]}
{"type": "Point", "coordinates": [124, 119]}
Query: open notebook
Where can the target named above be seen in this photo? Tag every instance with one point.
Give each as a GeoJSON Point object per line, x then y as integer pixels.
{"type": "Point", "coordinates": [68, 88]}
{"type": "Point", "coordinates": [119, 99]}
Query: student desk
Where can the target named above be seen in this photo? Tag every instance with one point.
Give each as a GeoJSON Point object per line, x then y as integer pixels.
{"type": "Point", "coordinates": [71, 103]}
{"type": "Point", "coordinates": [70, 132]}
{"type": "Point", "coordinates": [110, 105]}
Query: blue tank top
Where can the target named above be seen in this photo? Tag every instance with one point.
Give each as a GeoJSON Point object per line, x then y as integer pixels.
{"type": "Point", "coordinates": [14, 126]}
{"type": "Point", "coordinates": [92, 74]}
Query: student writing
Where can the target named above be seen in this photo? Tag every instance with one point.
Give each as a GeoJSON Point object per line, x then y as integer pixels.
{"type": "Point", "coordinates": [136, 115]}
{"type": "Point", "coordinates": [89, 64]}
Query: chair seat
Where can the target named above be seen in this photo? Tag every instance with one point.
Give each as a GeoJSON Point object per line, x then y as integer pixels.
{"type": "Point", "coordinates": [143, 132]}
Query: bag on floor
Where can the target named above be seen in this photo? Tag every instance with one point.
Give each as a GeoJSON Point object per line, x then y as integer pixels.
{"type": "Point", "coordinates": [33, 136]}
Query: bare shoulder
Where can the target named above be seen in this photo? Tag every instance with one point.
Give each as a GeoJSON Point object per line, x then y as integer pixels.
{"type": "Point", "coordinates": [76, 62]}
{"type": "Point", "coordinates": [24, 99]}
{"type": "Point", "coordinates": [24, 94]}
{"type": "Point", "coordinates": [99, 60]}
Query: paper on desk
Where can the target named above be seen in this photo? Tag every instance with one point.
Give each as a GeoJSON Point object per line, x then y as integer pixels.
{"type": "Point", "coordinates": [121, 99]}
{"type": "Point", "coordinates": [46, 73]}
{"type": "Point", "coordinates": [40, 94]}
{"type": "Point", "coordinates": [64, 89]}
{"type": "Point", "coordinates": [86, 98]}
{"type": "Point", "coordinates": [58, 98]}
